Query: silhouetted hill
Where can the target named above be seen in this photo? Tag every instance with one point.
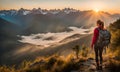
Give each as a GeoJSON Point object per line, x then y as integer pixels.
{"type": "Point", "coordinates": [7, 27]}
{"type": "Point", "coordinates": [8, 38]}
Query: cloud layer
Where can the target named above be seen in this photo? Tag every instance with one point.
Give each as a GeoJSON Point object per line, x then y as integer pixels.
{"type": "Point", "coordinates": [47, 39]}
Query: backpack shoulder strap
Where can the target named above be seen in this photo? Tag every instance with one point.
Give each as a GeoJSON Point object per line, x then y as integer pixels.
{"type": "Point", "coordinates": [98, 29]}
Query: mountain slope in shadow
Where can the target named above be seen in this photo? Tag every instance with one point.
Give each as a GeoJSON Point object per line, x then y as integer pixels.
{"type": "Point", "coordinates": [30, 52]}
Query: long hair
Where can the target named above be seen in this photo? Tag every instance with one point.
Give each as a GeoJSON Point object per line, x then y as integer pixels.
{"type": "Point", "coordinates": [102, 25]}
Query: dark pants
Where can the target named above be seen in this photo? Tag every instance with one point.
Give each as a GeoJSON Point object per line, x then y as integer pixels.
{"type": "Point", "coordinates": [98, 54]}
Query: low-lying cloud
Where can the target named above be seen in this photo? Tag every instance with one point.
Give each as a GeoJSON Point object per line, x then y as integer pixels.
{"type": "Point", "coordinates": [47, 39]}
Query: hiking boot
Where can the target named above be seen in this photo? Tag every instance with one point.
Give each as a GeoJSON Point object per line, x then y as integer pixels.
{"type": "Point", "coordinates": [97, 68]}
{"type": "Point", "coordinates": [100, 67]}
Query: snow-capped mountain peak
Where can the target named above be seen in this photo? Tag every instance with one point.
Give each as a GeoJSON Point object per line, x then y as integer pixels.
{"type": "Point", "coordinates": [23, 11]}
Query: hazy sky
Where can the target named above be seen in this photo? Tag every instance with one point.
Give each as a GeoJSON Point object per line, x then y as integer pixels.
{"type": "Point", "coordinates": [112, 6]}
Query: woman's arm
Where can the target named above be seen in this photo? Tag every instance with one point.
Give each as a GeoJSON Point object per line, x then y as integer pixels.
{"type": "Point", "coordinates": [95, 36]}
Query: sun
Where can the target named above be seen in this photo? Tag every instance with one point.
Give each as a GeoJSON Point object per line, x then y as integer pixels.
{"type": "Point", "coordinates": [96, 10]}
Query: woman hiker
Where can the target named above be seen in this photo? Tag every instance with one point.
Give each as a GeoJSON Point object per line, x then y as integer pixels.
{"type": "Point", "coordinates": [98, 49]}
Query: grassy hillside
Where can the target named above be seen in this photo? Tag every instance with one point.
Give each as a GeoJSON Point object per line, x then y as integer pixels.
{"type": "Point", "coordinates": [115, 42]}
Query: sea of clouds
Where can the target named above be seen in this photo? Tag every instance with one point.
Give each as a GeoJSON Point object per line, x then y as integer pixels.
{"type": "Point", "coordinates": [47, 39]}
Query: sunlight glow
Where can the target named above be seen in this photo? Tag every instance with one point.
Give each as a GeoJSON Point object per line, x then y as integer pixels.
{"type": "Point", "coordinates": [96, 10]}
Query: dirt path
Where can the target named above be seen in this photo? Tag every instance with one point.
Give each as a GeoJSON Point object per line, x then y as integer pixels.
{"type": "Point", "coordinates": [90, 66]}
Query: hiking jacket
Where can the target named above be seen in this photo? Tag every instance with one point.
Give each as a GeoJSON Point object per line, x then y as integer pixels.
{"type": "Point", "coordinates": [95, 36]}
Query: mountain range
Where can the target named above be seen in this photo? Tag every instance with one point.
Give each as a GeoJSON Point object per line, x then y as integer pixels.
{"type": "Point", "coordinates": [56, 20]}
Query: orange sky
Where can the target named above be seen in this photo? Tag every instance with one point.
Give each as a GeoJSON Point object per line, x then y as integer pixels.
{"type": "Point", "coordinates": [111, 6]}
